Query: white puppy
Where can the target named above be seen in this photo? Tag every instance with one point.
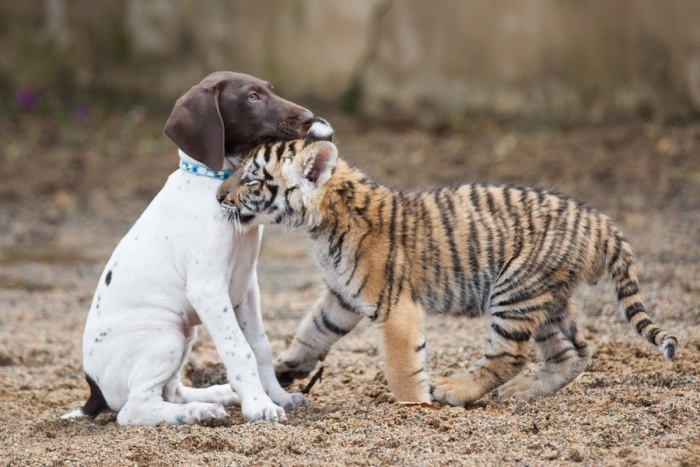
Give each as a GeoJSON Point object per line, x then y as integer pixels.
{"type": "Point", "coordinates": [181, 265]}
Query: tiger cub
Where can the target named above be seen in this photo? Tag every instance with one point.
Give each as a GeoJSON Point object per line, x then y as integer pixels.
{"type": "Point", "coordinates": [512, 253]}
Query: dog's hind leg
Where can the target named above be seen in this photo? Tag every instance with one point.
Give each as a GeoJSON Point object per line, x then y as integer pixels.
{"type": "Point", "coordinates": [155, 377]}
{"type": "Point", "coordinates": [149, 408]}
{"type": "Point", "coordinates": [217, 394]}
{"type": "Point", "coordinates": [175, 392]}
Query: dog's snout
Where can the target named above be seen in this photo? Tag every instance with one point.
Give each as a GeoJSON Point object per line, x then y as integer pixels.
{"type": "Point", "coordinates": [306, 117]}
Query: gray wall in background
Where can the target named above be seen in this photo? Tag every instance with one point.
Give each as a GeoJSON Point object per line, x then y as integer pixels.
{"type": "Point", "coordinates": [551, 60]}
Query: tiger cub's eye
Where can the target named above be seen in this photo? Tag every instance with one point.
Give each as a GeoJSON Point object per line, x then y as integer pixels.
{"type": "Point", "coordinates": [249, 181]}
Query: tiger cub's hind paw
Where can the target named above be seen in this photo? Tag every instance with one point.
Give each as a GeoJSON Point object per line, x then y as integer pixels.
{"type": "Point", "coordinates": [543, 383]}
{"type": "Point", "coordinates": [456, 390]}
{"type": "Point", "coordinates": [519, 389]}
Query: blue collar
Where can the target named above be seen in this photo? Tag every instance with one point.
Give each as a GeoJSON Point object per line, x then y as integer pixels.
{"type": "Point", "coordinates": [204, 171]}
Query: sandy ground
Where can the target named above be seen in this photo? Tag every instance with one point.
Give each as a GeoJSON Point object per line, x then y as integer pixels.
{"type": "Point", "coordinates": [68, 192]}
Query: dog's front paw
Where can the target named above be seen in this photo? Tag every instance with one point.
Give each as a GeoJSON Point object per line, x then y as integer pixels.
{"type": "Point", "coordinates": [288, 400]}
{"type": "Point", "coordinates": [261, 408]}
{"type": "Point", "coordinates": [298, 400]}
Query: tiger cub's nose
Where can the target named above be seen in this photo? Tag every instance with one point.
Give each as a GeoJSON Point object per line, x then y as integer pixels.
{"type": "Point", "coordinates": [221, 194]}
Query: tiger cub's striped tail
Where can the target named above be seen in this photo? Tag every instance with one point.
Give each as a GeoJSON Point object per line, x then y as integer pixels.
{"type": "Point", "coordinates": [620, 265]}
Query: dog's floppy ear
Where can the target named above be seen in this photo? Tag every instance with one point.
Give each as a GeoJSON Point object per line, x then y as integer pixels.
{"type": "Point", "coordinates": [196, 127]}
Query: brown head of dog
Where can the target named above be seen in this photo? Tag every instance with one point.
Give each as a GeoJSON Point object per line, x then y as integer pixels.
{"type": "Point", "coordinates": [229, 113]}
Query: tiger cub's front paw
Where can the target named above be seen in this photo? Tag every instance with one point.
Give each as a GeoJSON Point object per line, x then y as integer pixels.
{"type": "Point", "coordinates": [261, 408]}
{"type": "Point", "coordinates": [288, 368]}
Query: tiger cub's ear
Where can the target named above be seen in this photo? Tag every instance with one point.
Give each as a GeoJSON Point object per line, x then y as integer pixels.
{"type": "Point", "coordinates": [312, 166]}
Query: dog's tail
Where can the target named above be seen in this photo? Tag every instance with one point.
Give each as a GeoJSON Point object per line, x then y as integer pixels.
{"type": "Point", "coordinates": [95, 404]}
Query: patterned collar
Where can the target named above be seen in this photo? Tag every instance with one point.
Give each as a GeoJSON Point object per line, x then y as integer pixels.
{"type": "Point", "coordinates": [203, 170]}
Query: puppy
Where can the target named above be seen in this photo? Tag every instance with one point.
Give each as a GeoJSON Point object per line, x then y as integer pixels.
{"type": "Point", "coordinates": [181, 265]}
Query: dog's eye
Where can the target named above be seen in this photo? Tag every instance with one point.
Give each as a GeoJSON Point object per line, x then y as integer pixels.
{"type": "Point", "coordinates": [253, 96]}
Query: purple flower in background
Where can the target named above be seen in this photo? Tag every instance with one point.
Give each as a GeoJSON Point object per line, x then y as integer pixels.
{"type": "Point", "coordinates": [26, 99]}
{"type": "Point", "coordinates": [82, 113]}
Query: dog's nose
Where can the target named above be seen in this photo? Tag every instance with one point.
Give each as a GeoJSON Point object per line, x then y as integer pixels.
{"type": "Point", "coordinates": [306, 117]}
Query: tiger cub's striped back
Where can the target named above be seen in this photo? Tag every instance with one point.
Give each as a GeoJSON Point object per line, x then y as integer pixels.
{"type": "Point", "coordinates": [513, 253]}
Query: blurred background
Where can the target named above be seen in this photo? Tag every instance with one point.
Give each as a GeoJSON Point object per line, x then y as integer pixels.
{"type": "Point", "coordinates": [598, 99]}
{"type": "Point", "coordinates": [550, 60]}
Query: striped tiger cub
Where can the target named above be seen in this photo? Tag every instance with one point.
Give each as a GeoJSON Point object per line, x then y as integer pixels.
{"type": "Point", "coordinates": [512, 253]}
